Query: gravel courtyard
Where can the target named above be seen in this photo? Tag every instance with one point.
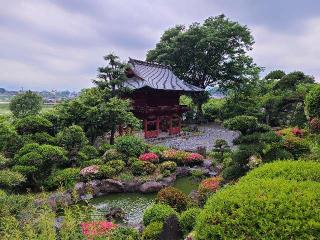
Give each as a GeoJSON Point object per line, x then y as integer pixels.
{"type": "Point", "coordinates": [206, 137]}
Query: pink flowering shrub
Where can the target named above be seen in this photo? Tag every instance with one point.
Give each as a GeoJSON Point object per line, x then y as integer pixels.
{"type": "Point", "coordinates": [193, 159]}
{"type": "Point", "coordinates": [297, 132]}
{"type": "Point", "coordinates": [96, 229]}
{"type": "Point", "coordinates": [209, 186]}
{"type": "Point", "coordinates": [149, 157]}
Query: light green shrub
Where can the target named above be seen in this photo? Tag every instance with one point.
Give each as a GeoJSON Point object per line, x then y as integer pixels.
{"type": "Point", "coordinates": [157, 213]}
{"type": "Point", "coordinates": [130, 146]}
{"type": "Point", "coordinates": [152, 231]}
{"type": "Point", "coordinates": [188, 220]}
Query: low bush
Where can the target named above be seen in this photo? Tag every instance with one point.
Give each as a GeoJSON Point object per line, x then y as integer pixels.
{"type": "Point", "coordinates": [289, 170]}
{"type": "Point", "coordinates": [107, 171]}
{"type": "Point", "coordinates": [113, 154]}
{"type": "Point", "coordinates": [41, 138]}
{"type": "Point", "coordinates": [168, 166]}
{"type": "Point", "coordinates": [193, 159]}
{"type": "Point", "coordinates": [188, 220]}
{"type": "Point", "coordinates": [130, 146]}
{"type": "Point", "coordinates": [139, 168]}
{"type": "Point", "coordinates": [118, 165]}
{"type": "Point", "coordinates": [173, 197]}
{"type": "Point", "coordinates": [66, 177]}
{"type": "Point", "coordinates": [296, 146]}
{"type": "Point", "coordinates": [157, 213]}
{"type": "Point", "coordinates": [209, 186]}
{"type": "Point", "coordinates": [104, 147]}
{"type": "Point", "coordinates": [262, 209]}
{"type": "Point", "coordinates": [244, 124]}
{"type": "Point", "coordinates": [124, 233]}
{"type": "Point", "coordinates": [96, 161]}
{"type": "Point", "coordinates": [33, 124]}
{"type": "Point", "coordinates": [149, 157]}
{"type": "Point", "coordinates": [4, 162]}
{"type": "Point", "coordinates": [10, 179]}
{"type": "Point", "coordinates": [90, 151]}
{"type": "Point", "coordinates": [177, 156]}
{"type": "Point", "coordinates": [152, 231]}
{"type": "Point", "coordinates": [157, 149]}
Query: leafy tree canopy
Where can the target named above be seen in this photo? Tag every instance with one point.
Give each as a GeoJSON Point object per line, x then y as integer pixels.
{"type": "Point", "coordinates": [276, 74]}
{"type": "Point", "coordinates": [208, 54]}
{"type": "Point", "coordinates": [24, 104]}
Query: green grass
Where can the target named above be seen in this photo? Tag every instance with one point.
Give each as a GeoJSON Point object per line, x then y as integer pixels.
{"type": "Point", "coordinates": [4, 107]}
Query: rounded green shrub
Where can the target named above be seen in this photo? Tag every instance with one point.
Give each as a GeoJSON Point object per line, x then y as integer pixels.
{"type": "Point", "coordinates": [244, 124]}
{"type": "Point", "coordinates": [10, 179]}
{"type": "Point", "coordinates": [96, 161]}
{"type": "Point", "coordinates": [33, 124]}
{"type": "Point", "coordinates": [173, 197]}
{"type": "Point", "coordinates": [90, 151]}
{"type": "Point", "coordinates": [130, 146]}
{"type": "Point", "coordinates": [125, 233]}
{"type": "Point", "coordinates": [4, 162]}
{"type": "Point", "coordinates": [104, 147]}
{"type": "Point", "coordinates": [112, 154]}
{"type": "Point", "coordinates": [66, 177]}
{"type": "Point", "coordinates": [139, 168]}
{"type": "Point", "coordinates": [188, 219]}
{"type": "Point", "coordinates": [157, 149]}
{"type": "Point", "coordinates": [262, 209]}
{"type": "Point", "coordinates": [289, 170]}
{"type": "Point", "coordinates": [72, 138]}
{"type": "Point", "coordinates": [118, 165]}
{"type": "Point", "coordinates": [157, 213]}
{"type": "Point", "coordinates": [168, 166]}
{"type": "Point", "coordinates": [42, 138]}
{"type": "Point", "coordinates": [152, 231]}
{"type": "Point", "coordinates": [107, 171]}
{"type": "Point", "coordinates": [212, 110]}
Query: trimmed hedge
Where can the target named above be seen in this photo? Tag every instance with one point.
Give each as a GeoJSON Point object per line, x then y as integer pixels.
{"type": "Point", "coordinates": [152, 231]}
{"type": "Point", "coordinates": [289, 170]}
{"type": "Point", "coordinates": [174, 197]}
{"type": "Point", "coordinates": [188, 220]}
{"type": "Point", "coordinates": [157, 213]}
{"type": "Point", "coordinates": [261, 208]}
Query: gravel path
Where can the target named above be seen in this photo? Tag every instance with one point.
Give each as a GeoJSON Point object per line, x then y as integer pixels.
{"type": "Point", "coordinates": [207, 135]}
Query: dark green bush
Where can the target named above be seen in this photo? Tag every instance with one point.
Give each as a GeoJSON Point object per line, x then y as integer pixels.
{"type": "Point", "coordinates": [289, 170]}
{"type": "Point", "coordinates": [157, 213]}
{"type": "Point", "coordinates": [188, 220]}
{"type": "Point", "coordinates": [42, 138]}
{"type": "Point", "coordinates": [104, 147]}
{"type": "Point", "coordinates": [173, 197]}
{"type": "Point", "coordinates": [72, 139]}
{"type": "Point", "coordinates": [262, 209]}
{"type": "Point", "coordinates": [233, 171]}
{"type": "Point", "coordinates": [130, 146]}
{"type": "Point", "coordinates": [168, 166]}
{"type": "Point", "coordinates": [4, 162]}
{"type": "Point", "coordinates": [96, 161]}
{"type": "Point", "coordinates": [142, 168]}
{"type": "Point", "coordinates": [113, 154]}
{"type": "Point", "coordinates": [118, 165]}
{"type": "Point", "coordinates": [152, 231]}
{"type": "Point", "coordinates": [125, 233]}
{"type": "Point", "coordinates": [10, 179]}
{"type": "Point", "coordinates": [90, 151]}
{"type": "Point", "coordinates": [244, 124]}
{"type": "Point", "coordinates": [33, 124]}
{"type": "Point", "coordinates": [106, 171]}
{"type": "Point", "coordinates": [66, 177]}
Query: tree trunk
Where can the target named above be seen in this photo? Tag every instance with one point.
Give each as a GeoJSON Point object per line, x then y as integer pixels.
{"type": "Point", "coordinates": [112, 134]}
{"type": "Point", "coordinates": [199, 115]}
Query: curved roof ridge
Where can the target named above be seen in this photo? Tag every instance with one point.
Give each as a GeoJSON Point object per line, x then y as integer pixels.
{"type": "Point", "coordinates": [152, 64]}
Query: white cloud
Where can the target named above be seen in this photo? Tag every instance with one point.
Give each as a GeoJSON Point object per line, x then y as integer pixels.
{"type": "Point", "coordinates": [289, 51]}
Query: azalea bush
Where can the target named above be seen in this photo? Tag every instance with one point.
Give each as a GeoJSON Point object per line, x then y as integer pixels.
{"type": "Point", "coordinates": [97, 228]}
{"type": "Point", "coordinates": [209, 186]}
{"type": "Point", "coordinates": [149, 157]}
{"type": "Point", "coordinates": [173, 197]}
{"type": "Point", "coordinates": [139, 168]}
{"type": "Point", "coordinates": [168, 166]}
{"type": "Point", "coordinates": [193, 159]}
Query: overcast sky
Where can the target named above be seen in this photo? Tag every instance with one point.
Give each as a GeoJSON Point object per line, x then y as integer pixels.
{"type": "Point", "coordinates": [59, 44]}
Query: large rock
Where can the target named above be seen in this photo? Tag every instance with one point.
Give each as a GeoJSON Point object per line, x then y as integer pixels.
{"type": "Point", "coordinates": [111, 186]}
{"type": "Point", "coordinates": [152, 186]}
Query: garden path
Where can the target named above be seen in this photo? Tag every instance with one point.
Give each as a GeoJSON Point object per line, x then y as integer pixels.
{"type": "Point", "coordinates": [204, 137]}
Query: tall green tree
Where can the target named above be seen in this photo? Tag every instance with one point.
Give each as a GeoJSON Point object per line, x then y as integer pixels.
{"type": "Point", "coordinates": [24, 104]}
{"type": "Point", "coordinates": [209, 54]}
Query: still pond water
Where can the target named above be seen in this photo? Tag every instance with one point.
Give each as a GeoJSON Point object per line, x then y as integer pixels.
{"type": "Point", "coordinates": [134, 204]}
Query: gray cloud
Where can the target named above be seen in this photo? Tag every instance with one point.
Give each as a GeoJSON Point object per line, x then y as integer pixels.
{"type": "Point", "coordinates": [59, 44]}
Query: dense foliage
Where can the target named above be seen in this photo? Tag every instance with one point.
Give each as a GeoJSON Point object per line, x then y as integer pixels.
{"type": "Point", "coordinates": [25, 104]}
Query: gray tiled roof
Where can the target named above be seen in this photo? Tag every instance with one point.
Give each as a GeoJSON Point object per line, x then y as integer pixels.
{"type": "Point", "coordinates": [156, 76]}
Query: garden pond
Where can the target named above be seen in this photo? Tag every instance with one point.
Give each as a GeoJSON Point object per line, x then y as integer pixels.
{"type": "Point", "coordinates": [134, 204]}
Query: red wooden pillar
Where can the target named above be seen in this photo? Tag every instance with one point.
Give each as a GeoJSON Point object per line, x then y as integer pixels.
{"type": "Point", "coordinates": [179, 124]}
